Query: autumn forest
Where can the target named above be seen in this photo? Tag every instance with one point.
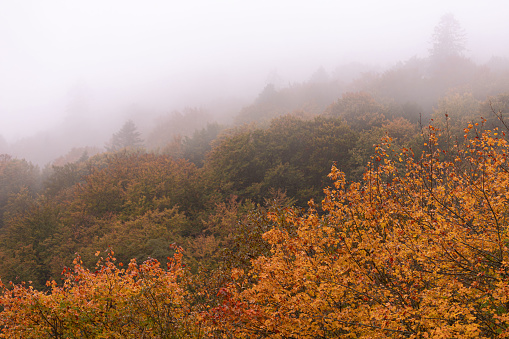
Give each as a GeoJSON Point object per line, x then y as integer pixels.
{"type": "Point", "coordinates": [373, 208]}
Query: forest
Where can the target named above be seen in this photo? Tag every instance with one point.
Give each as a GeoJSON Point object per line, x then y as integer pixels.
{"type": "Point", "coordinates": [376, 208]}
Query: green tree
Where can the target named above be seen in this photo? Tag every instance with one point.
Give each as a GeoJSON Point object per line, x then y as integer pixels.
{"type": "Point", "coordinates": [293, 155]}
{"type": "Point", "coordinates": [15, 175]}
{"type": "Point", "coordinates": [359, 110]}
{"type": "Point", "coordinates": [196, 147]}
{"type": "Point", "coordinates": [32, 240]}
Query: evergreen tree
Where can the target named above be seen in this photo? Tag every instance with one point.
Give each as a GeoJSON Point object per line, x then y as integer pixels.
{"type": "Point", "coordinates": [448, 39]}
{"type": "Point", "coordinates": [127, 137]}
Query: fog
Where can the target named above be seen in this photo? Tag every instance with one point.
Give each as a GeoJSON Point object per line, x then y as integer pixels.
{"type": "Point", "coordinates": [90, 65]}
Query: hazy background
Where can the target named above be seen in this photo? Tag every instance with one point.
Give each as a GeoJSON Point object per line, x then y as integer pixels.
{"type": "Point", "coordinates": [96, 63]}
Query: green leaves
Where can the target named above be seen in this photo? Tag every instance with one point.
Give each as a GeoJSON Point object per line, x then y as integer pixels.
{"type": "Point", "coordinates": [292, 155]}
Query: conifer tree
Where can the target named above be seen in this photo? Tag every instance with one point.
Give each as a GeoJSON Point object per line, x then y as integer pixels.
{"type": "Point", "coordinates": [448, 39]}
{"type": "Point", "coordinates": [127, 137]}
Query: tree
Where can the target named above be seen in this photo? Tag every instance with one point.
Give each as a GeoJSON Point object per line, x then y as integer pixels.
{"type": "Point", "coordinates": [292, 155]}
{"type": "Point", "coordinates": [454, 111]}
{"type": "Point", "coordinates": [196, 147]}
{"type": "Point", "coordinates": [16, 175]}
{"type": "Point", "coordinates": [127, 137]}
{"type": "Point", "coordinates": [144, 300]}
{"type": "Point", "coordinates": [448, 39]}
{"type": "Point", "coordinates": [495, 110]}
{"type": "Point", "coordinates": [361, 111]}
{"type": "Point", "coordinates": [32, 241]}
{"type": "Point", "coordinates": [419, 249]}
{"type": "Point", "coordinates": [176, 125]}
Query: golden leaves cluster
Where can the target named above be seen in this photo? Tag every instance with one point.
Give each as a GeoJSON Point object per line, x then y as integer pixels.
{"type": "Point", "coordinates": [140, 301]}
{"type": "Point", "coordinates": [420, 249]}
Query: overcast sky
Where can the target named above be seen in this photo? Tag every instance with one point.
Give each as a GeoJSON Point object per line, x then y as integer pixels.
{"type": "Point", "coordinates": [159, 53]}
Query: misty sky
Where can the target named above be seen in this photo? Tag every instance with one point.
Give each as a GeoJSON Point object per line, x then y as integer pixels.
{"type": "Point", "coordinates": [168, 54]}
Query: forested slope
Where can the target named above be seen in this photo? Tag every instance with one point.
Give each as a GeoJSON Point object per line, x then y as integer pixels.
{"type": "Point", "coordinates": [359, 219]}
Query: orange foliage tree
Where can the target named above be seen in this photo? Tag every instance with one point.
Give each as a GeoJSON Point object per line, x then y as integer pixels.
{"type": "Point", "coordinates": [418, 250]}
{"type": "Point", "coordinates": [140, 301]}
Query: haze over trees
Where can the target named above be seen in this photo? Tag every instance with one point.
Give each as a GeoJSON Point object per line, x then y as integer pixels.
{"type": "Point", "coordinates": [364, 207]}
{"type": "Point", "coordinates": [448, 39]}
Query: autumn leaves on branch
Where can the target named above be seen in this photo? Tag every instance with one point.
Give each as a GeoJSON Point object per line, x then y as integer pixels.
{"type": "Point", "coordinates": [418, 250]}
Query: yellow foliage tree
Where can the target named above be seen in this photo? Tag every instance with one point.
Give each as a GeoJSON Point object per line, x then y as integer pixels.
{"type": "Point", "coordinates": [140, 301]}
{"type": "Point", "coordinates": [419, 250]}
